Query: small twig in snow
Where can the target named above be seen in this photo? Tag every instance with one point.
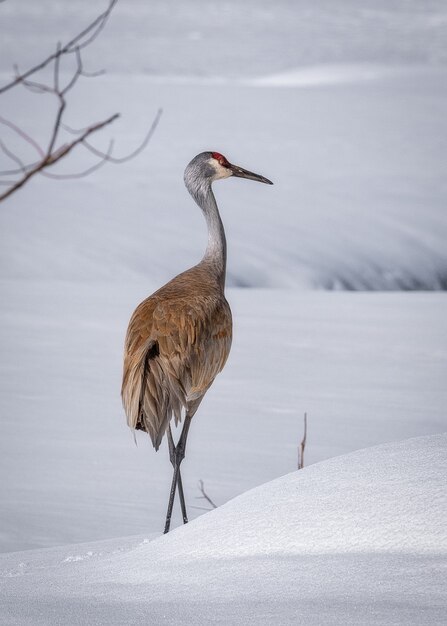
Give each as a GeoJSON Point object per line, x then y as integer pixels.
{"type": "Point", "coordinates": [302, 445]}
{"type": "Point", "coordinates": [205, 495]}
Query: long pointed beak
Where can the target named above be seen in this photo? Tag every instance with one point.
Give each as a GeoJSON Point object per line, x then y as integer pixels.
{"type": "Point", "coordinates": [241, 173]}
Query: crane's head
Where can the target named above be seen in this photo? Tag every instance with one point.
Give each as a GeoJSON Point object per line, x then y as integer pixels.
{"type": "Point", "coordinates": [213, 166]}
{"type": "Point", "coordinates": [224, 169]}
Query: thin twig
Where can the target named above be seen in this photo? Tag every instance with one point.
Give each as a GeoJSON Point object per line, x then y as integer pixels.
{"type": "Point", "coordinates": [99, 24]}
{"type": "Point", "coordinates": [13, 157]}
{"type": "Point", "coordinates": [51, 159]}
{"type": "Point", "coordinates": [22, 134]}
{"type": "Point", "coordinates": [77, 73]}
{"type": "Point", "coordinates": [302, 445]}
{"type": "Point", "coordinates": [205, 495]}
{"type": "Point", "coordinates": [56, 125]}
{"type": "Point", "coordinates": [133, 154]}
{"type": "Point", "coordinates": [57, 62]}
{"type": "Point", "coordinates": [92, 30]}
{"type": "Point", "coordinates": [86, 172]}
{"type": "Point", "coordinates": [72, 131]}
{"type": "Point", "coordinates": [36, 87]}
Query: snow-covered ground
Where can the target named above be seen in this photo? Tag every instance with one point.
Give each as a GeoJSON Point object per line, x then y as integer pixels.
{"type": "Point", "coordinates": [343, 106]}
{"type": "Point", "coordinates": [359, 539]}
{"type": "Point", "coordinates": [366, 368]}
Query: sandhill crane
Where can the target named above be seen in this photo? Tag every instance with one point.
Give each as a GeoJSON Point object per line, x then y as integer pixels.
{"type": "Point", "coordinates": [179, 338]}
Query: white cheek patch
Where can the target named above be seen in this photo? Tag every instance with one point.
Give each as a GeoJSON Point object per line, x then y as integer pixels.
{"type": "Point", "coordinates": [221, 172]}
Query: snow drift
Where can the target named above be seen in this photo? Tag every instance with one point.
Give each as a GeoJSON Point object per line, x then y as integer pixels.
{"type": "Point", "coordinates": [356, 539]}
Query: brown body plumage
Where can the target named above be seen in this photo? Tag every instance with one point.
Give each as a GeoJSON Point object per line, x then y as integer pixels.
{"type": "Point", "coordinates": [177, 341]}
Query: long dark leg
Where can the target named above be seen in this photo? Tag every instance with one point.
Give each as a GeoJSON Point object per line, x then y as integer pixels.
{"type": "Point", "coordinates": [179, 481]}
{"type": "Point", "coordinates": [171, 499]}
{"type": "Point", "coordinates": [178, 456]}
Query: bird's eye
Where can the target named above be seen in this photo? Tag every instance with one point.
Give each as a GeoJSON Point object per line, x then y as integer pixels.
{"type": "Point", "coordinates": [220, 158]}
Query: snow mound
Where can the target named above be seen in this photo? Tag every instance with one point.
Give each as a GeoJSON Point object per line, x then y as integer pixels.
{"type": "Point", "coordinates": [354, 540]}
{"type": "Point", "coordinates": [381, 499]}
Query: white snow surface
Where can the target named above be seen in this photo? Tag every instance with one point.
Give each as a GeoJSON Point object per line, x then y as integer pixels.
{"type": "Point", "coordinates": [343, 106]}
{"type": "Point", "coordinates": [366, 367]}
{"type": "Point", "coordinates": [358, 539]}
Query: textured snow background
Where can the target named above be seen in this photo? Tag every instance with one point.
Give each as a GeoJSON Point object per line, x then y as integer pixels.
{"type": "Point", "coordinates": [343, 106]}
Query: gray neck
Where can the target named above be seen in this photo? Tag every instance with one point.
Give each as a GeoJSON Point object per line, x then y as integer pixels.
{"type": "Point", "coordinates": [216, 251]}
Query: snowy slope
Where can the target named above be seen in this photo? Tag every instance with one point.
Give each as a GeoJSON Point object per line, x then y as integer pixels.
{"type": "Point", "coordinates": [359, 539]}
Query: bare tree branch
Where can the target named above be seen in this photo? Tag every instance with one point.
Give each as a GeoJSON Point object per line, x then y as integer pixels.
{"type": "Point", "coordinates": [77, 73]}
{"type": "Point", "coordinates": [72, 131]}
{"type": "Point", "coordinates": [57, 62]}
{"type": "Point", "coordinates": [302, 445]}
{"type": "Point", "coordinates": [36, 87]}
{"type": "Point", "coordinates": [52, 158]}
{"type": "Point", "coordinates": [82, 40]}
{"type": "Point", "coordinates": [54, 153]}
{"type": "Point", "coordinates": [86, 172]}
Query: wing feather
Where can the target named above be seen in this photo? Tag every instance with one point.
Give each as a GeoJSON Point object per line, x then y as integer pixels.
{"type": "Point", "coordinates": [174, 349]}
